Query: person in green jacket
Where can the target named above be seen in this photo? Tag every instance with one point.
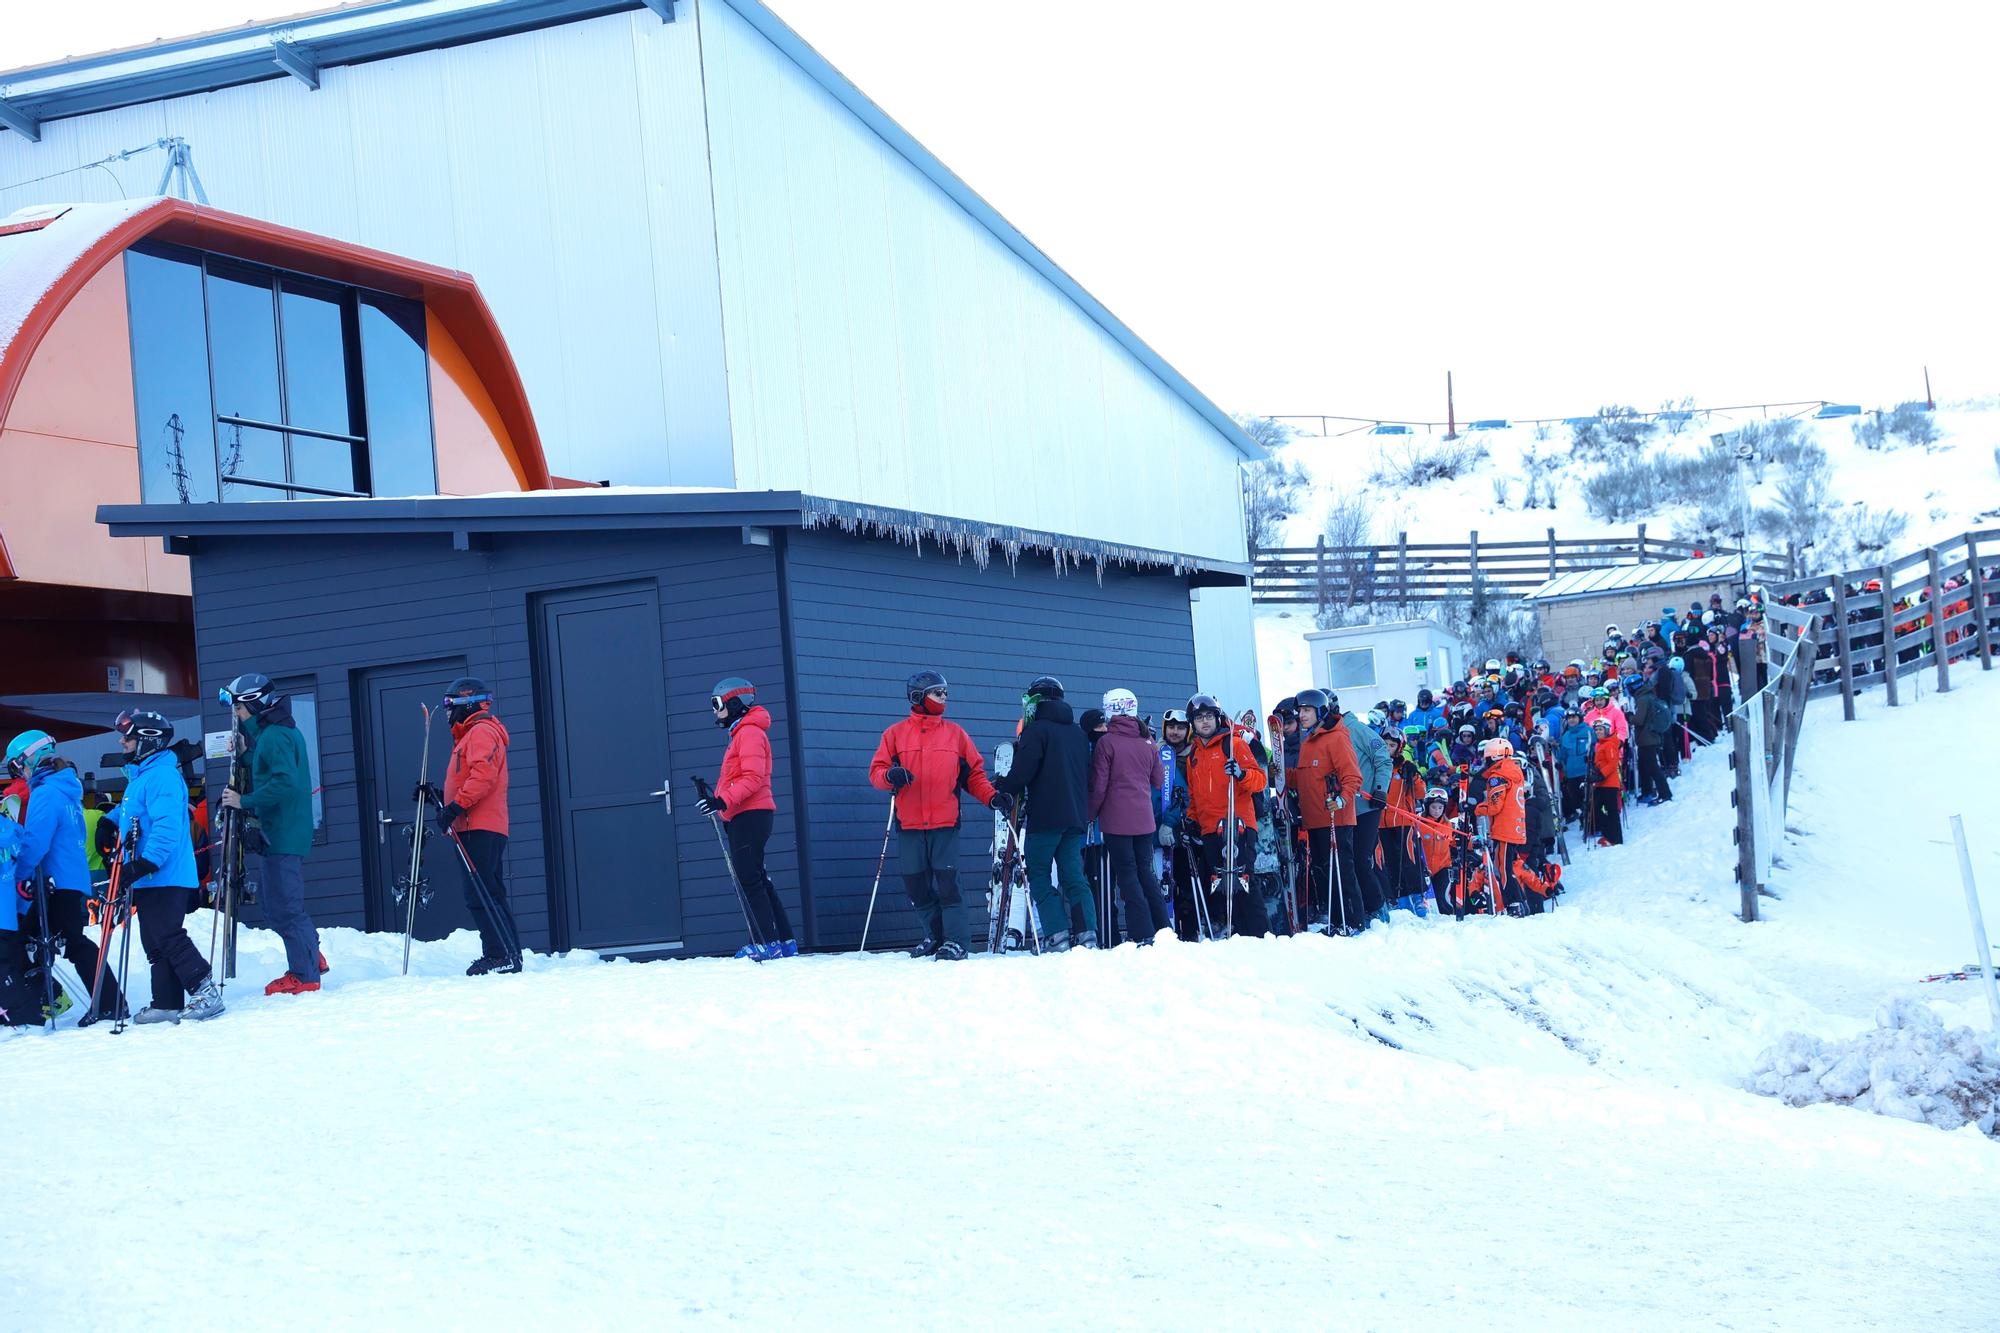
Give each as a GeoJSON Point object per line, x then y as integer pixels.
{"type": "Point", "coordinates": [279, 797]}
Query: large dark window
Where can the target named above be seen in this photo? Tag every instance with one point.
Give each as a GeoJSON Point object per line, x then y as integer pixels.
{"type": "Point", "coordinates": [254, 384]}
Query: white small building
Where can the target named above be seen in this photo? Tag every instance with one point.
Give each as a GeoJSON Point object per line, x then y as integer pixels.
{"type": "Point", "coordinates": [1363, 663]}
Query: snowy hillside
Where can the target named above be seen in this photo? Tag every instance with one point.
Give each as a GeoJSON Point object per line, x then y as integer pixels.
{"type": "Point", "coordinates": [1515, 1124]}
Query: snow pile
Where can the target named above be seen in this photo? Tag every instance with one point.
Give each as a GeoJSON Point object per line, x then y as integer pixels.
{"type": "Point", "coordinates": [1910, 1066]}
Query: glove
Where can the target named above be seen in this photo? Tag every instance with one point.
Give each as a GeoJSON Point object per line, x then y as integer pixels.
{"type": "Point", "coordinates": [1335, 801]}
{"type": "Point", "coordinates": [1233, 769]}
{"type": "Point", "coordinates": [1001, 802]}
{"type": "Point", "coordinates": [711, 804]}
{"type": "Point", "coordinates": [900, 777]}
{"type": "Point", "coordinates": [26, 890]}
{"type": "Point", "coordinates": [427, 791]}
{"type": "Point", "coordinates": [448, 816]}
{"type": "Point", "coordinates": [1165, 835]}
{"type": "Point", "coordinates": [137, 868]}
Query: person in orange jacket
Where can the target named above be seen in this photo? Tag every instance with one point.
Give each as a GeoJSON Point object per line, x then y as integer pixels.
{"type": "Point", "coordinates": [1427, 845]}
{"type": "Point", "coordinates": [475, 808]}
{"type": "Point", "coordinates": [1607, 765]}
{"type": "Point", "coordinates": [927, 761]}
{"type": "Point", "coordinates": [1401, 877]}
{"type": "Point", "coordinates": [1505, 809]}
{"type": "Point", "coordinates": [1327, 780]}
{"type": "Point", "coordinates": [1219, 762]}
{"type": "Point", "coordinates": [742, 800]}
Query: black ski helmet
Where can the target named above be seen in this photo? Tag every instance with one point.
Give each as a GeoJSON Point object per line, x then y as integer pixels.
{"type": "Point", "coordinates": [149, 729]}
{"type": "Point", "coordinates": [1425, 699]}
{"type": "Point", "coordinates": [1045, 687]}
{"type": "Point", "coordinates": [464, 697]}
{"type": "Point", "coordinates": [253, 690]}
{"type": "Point", "coordinates": [1313, 699]}
{"type": "Point", "coordinates": [1287, 709]}
{"type": "Point", "coordinates": [1205, 703]}
{"type": "Point", "coordinates": [921, 683]}
{"type": "Point", "coordinates": [733, 696]}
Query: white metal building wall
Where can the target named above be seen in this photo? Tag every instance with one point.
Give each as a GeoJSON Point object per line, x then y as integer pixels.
{"type": "Point", "coordinates": [884, 346]}
{"type": "Point", "coordinates": [565, 169]}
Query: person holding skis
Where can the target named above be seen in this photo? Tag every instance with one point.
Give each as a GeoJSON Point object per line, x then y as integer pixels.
{"type": "Point", "coordinates": [473, 808]}
{"type": "Point", "coordinates": [159, 870]}
{"type": "Point", "coordinates": [54, 848]}
{"type": "Point", "coordinates": [1428, 846]}
{"type": "Point", "coordinates": [279, 798]}
{"type": "Point", "coordinates": [1328, 780]}
{"type": "Point", "coordinates": [1373, 758]}
{"type": "Point", "coordinates": [1051, 773]}
{"type": "Point", "coordinates": [742, 800]}
{"type": "Point", "coordinates": [927, 761]}
{"type": "Point", "coordinates": [1505, 808]}
{"type": "Point", "coordinates": [1124, 781]}
{"type": "Point", "coordinates": [1218, 764]}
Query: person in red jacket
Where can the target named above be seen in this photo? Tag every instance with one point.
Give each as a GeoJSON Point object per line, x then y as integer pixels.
{"type": "Point", "coordinates": [1327, 780]}
{"type": "Point", "coordinates": [1607, 764]}
{"type": "Point", "coordinates": [1219, 762]}
{"type": "Point", "coordinates": [742, 800]}
{"type": "Point", "coordinates": [475, 808]}
{"type": "Point", "coordinates": [1505, 809]}
{"type": "Point", "coordinates": [927, 761]}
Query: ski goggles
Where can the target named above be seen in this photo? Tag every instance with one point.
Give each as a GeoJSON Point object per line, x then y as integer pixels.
{"type": "Point", "coordinates": [1174, 715]}
{"type": "Point", "coordinates": [460, 700]}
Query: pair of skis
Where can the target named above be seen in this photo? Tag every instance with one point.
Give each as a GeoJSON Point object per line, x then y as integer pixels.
{"type": "Point", "coordinates": [414, 888]}
{"type": "Point", "coordinates": [115, 920]}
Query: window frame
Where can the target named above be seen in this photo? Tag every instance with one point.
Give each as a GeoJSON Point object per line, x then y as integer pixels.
{"type": "Point", "coordinates": [294, 688]}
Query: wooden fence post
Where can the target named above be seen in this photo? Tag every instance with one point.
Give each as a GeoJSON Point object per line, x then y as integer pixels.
{"type": "Point", "coordinates": [1319, 570]}
{"type": "Point", "coordinates": [1844, 647]}
{"type": "Point", "coordinates": [1888, 633]}
{"type": "Point", "coordinates": [1937, 623]}
{"type": "Point", "coordinates": [1978, 602]}
{"type": "Point", "coordinates": [1474, 576]}
{"type": "Point", "coordinates": [1642, 542]}
{"type": "Point", "coordinates": [1552, 552]}
{"type": "Point", "coordinates": [1402, 566]}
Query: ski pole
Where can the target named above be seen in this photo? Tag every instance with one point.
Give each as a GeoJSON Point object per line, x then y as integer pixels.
{"type": "Point", "coordinates": [881, 860]}
{"type": "Point", "coordinates": [503, 923]}
{"type": "Point", "coordinates": [414, 884]}
{"type": "Point", "coordinates": [705, 792]}
{"type": "Point", "coordinates": [109, 927]}
{"type": "Point", "coordinates": [46, 944]}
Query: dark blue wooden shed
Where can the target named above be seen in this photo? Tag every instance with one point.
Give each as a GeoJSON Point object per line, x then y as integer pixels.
{"type": "Point", "coordinates": [602, 618]}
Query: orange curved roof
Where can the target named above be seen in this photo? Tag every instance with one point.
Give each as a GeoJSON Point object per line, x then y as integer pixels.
{"type": "Point", "coordinates": [48, 254]}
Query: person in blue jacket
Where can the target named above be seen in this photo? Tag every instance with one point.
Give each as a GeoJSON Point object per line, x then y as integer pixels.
{"type": "Point", "coordinates": [1429, 713]}
{"type": "Point", "coordinates": [1574, 747]}
{"type": "Point", "coordinates": [159, 867]}
{"type": "Point", "coordinates": [53, 845]}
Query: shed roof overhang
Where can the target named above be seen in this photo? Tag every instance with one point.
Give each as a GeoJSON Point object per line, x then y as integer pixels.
{"type": "Point", "coordinates": [611, 509]}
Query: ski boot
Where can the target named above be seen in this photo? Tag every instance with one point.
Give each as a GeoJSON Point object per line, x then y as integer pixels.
{"type": "Point", "coordinates": [205, 1003]}
{"type": "Point", "coordinates": [928, 949]}
{"type": "Point", "coordinates": [482, 965]}
{"type": "Point", "coordinates": [1056, 943]}
{"type": "Point", "coordinates": [63, 1004]}
{"type": "Point", "coordinates": [951, 951]}
{"type": "Point", "coordinates": [291, 984]}
{"type": "Point", "coordinates": [1087, 940]}
{"type": "Point", "coordinates": [788, 948]}
{"type": "Point", "coordinates": [150, 1014]}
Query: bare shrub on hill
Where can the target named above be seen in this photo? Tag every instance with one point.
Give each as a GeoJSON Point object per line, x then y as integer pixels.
{"type": "Point", "coordinates": [1904, 425]}
{"type": "Point", "coordinates": [1415, 463]}
{"type": "Point", "coordinates": [1272, 491]}
{"type": "Point", "coordinates": [1613, 427]}
{"type": "Point", "coordinates": [1804, 509]}
{"type": "Point", "coordinates": [1349, 577]}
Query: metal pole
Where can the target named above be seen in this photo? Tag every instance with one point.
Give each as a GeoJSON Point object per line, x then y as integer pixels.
{"type": "Point", "coordinates": [1978, 922]}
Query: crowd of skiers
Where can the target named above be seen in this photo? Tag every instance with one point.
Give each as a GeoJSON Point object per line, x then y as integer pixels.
{"type": "Point", "coordinates": [147, 858]}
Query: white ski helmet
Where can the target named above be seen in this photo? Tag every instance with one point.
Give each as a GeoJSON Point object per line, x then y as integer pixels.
{"type": "Point", "coordinates": [1121, 703]}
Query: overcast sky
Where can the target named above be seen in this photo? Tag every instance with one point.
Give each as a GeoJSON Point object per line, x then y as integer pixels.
{"type": "Point", "coordinates": [1322, 207]}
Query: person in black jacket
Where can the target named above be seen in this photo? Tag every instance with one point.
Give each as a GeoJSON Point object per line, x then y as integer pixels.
{"type": "Point", "coordinates": [1052, 769]}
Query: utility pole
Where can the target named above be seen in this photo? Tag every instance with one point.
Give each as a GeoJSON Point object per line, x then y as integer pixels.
{"type": "Point", "coordinates": [1930, 403]}
{"type": "Point", "coordinates": [1450, 410]}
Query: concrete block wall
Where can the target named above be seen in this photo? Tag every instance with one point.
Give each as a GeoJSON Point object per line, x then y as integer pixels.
{"type": "Point", "coordinates": [1574, 626]}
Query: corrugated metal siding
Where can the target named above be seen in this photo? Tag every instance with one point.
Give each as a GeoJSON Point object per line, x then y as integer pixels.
{"type": "Point", "coordinates": [864, 614]}
{"type": "Point", "coordinates": [567, 170]}
{"type": "Point", "coordinates": [884, 346]}
{"type": "Point", "coordinates": [328, 608]}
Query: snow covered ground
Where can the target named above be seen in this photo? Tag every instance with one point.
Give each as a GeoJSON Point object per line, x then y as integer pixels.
{"type": "Point", "coordinates": [1503, 1124]}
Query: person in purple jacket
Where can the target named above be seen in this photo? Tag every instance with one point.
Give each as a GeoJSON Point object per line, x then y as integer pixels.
{"type": "Point", "coordinates": [1124, 773]}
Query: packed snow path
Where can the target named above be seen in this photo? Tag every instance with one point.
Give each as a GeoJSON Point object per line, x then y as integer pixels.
{"type": "Point", "coordinates": [1505, 1124]}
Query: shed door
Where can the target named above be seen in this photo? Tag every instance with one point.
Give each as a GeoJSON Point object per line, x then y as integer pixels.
{"type": "Point", "coordinates": [393, 728]}
{"type": "Point", "coordinates": [604, 730]}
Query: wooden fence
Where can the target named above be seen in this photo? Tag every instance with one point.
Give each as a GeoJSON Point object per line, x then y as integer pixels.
{"type": "Point", "coordinates": [1407, 571]}
{"type": "Point", "coordinates": [1879, 624]}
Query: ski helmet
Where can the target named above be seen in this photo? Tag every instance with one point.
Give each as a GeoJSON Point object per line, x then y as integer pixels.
{"type": "Point", "coordinates": [1496, 747]}
{"type": "Point", "coordinates": [1045, 687]}
{"type": "Point", "coordinates": [1397, 708]}
{"type": "Point", "coordinates": [733, 696]}
{"type": "Point", "coordinates": [1676, 663]}
{"type": "Point", "coordinates": [1121, 703]}
{"type": "Point", "coordinates": [1090, 720]}
{"type": "Point", "coordinates": [1511, 710]}
{"type": "Point", "coordinates": [921, 683]}
{"type": "Point", "coordinates": [1425, 698]}
{"type": "Point", "coordinates": [1173, 716]}
{"type": "Point", "coordinates": [29, 751]}
{"type": "Point", "coordinates": [252, 690]}
{"type": "Point", "coordinates": [1468, 731]}
{"type": "Point", "coordinates": [1315, 699]}
{"type": "Point", "coordinates": [1413, 729]}
{"type": "Point", "coordinates": [1601, 725]}
{"type": "Point", "coordinates": [1435, 798]}
{"type": "Point", "coordinates": [1205, 703]}
{"type": "Point", "coordinates": [1375, 717]}
{"type": "Point", "coordinates": [1287, 709]}
{"type": "Point", "coordinates": [464, 697]}
{"type": "Point", "coordinates": [152, 732]}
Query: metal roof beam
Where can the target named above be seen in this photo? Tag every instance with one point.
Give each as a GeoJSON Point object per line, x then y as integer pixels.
{"type": "Point", "coordinates": [19, 121]}
{"type": "Point", "coordinates": [664, 8]}
{"type": "Point", "coordinates": [297, 62]}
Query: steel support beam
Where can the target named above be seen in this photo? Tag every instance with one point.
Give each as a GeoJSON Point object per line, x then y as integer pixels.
{"type": "Point", "coordinates": [23, 124]}
{"type": "Point", "coordinates": [297, 62]}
